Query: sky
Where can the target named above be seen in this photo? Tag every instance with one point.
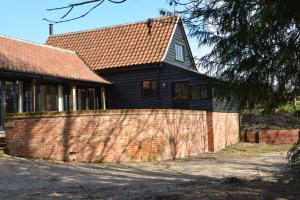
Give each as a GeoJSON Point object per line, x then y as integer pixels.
{"type": "Point", "coordinates": [23, 18]}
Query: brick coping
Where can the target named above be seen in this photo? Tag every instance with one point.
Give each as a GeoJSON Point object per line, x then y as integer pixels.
{"type": "Point", "coordinates": [264, 130]}
{"type": "Point", "coordinates": [101, 112]}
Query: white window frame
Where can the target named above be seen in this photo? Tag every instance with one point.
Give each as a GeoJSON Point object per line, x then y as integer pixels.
{"type": "Point", "coordinates": [179, 52]}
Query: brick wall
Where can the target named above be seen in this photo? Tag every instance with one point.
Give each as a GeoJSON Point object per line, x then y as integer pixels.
{"type": "Point", "coordinates": [223, 130]}
{"type": "Point", "coordinates": [113, 136]}
{"type": "Point", "coordinates": [272, 136]}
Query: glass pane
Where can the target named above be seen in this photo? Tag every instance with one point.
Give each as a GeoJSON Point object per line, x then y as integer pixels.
{"type": "Point", "coordinates": [9, 97]}
{"type": "Point", "coordinates": [98, 98]}
{"type": "Point", "coordinates": [28, 96]}
{"type": "Point", "coordinates": [153, 85]}
{"type": "Point", "coordinates": [204, 91]}
{"type": "Point", "coordinates": [43, 98]}
{"type": "Point", "coordinates": [179, 52]}
{"type": "Point", "coordinates": [82, 94]}
{"type": "Point", "coordinates": [146, 85]}
{"type": "Point", "coordinates": [177, 91]}
{"type": "Point", "coordinates": [195, 92]}
{"type": "Point", "coordinates": [52, 98]}
{"type": "Point", "coordinates": [149, 88]}
{"type": "Point", "coordinates": [185, 91]}
{"type": "Point", "coordinates": [91, 93]}
{"type": "Point", "coordinates": [68, 98]}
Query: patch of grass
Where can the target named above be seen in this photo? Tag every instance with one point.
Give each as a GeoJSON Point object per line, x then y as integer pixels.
{"type": "Point", "coordinates": [248, 148]}
{"type": "Point", "coordinates": [291, 107]}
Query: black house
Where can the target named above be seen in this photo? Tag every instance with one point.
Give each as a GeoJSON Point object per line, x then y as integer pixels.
{"type": "Point", "coordinates": [149, 63]}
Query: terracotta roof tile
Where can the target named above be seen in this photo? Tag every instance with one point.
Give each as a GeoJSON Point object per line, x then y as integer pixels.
{"type": "Point", "coordinates": [27, 57]}
{"type": "Point", "coordinates": [120, 46]}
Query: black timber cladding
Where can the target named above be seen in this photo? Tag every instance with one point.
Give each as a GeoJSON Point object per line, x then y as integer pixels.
{"type": "Point", "coordinates": [126, 91]}
{"type": "Point", "coordinates": [179, 38]}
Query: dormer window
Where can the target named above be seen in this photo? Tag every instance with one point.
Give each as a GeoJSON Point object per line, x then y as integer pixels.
{"type": "Point", "coordinates": [179, 52]}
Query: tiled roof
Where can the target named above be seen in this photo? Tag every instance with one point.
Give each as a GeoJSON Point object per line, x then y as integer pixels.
{"type": "Point", "coordinates": [119, 46]}
{"type": "Point", "coordinates": [27, 57]}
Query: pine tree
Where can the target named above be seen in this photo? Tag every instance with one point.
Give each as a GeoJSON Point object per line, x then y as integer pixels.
{"type": "Point", "coordinates": [255, 46]}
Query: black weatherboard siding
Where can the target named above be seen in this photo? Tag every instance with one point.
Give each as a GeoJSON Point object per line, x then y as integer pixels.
{"type": "Point", "coordinates": [171, 74]}
{"type": "Point", "coordinates": [126, 88]}
{"type": "Point", "coordinates": [126, 91]}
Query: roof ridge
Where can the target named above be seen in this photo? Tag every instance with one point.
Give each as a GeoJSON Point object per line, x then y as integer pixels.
{"type": "Point", "coordinates": [36, 43]}
{"type": "Point", "coordinates": [114, 26]}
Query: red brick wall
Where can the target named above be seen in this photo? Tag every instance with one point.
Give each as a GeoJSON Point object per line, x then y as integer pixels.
{"type": "Point", "coordinates": [272, 136]}
{"type": "Point", "coordinates": [223, 130]}
{"type": "Point", "coordinates": [111, 136]}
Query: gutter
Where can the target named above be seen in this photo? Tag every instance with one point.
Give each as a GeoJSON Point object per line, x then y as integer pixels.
{"type": "Point", "coordinates": [18, 74]}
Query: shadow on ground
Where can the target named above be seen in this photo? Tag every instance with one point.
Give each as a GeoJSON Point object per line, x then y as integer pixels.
{"type": "Point", "coordinates": [208, 177]}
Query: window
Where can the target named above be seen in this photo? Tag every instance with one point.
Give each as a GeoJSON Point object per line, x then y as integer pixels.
{"type": "Point", "coordinates": [195, 92]}
{"type": "Point", "coordinates": [149, 88]}
{"type": "Point", "coordinates": [47, 98]}
{"type": "Point", "coordinates": [43, 98]}
{"type": "Point", "coordinates": [82, 99]}
{"type": "Point", "coordinates": [92, 99]}
{"type": "Point", "coordinates": [179, 52]}
{"type": "Point", "coordinates": [68, 98]}
{"type": "Point", "coordinates": [181, 91]}
{"type": "Point", "coordinates": [87, 99]}
{"type": "Point", "coordinates": [11, 95]}
{"type": "Point", "coordinates": [204, 91]}
{"type": "Point", "coordinates": [28, 96]}
{"type": "Point", "coordinates": [52, 98]}
{"type": "Point", "coordinates": [199, 91]}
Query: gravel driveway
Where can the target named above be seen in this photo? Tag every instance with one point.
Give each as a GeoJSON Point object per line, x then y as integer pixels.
{"type": "Point", "coordinates": [225, 175]}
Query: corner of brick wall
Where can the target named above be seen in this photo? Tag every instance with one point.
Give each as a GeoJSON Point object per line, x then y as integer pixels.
{"type": "Point", "coordinates": [210, 131]}
{"type": "Point", "coordinates": [288, 136]}
{"type": "Point", "coordinates": [223, 130]}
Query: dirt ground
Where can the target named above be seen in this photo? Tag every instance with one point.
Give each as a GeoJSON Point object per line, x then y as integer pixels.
{"type": "Point", "coordinates": [243, 171]}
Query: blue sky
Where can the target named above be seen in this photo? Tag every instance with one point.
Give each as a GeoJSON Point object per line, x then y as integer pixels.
{"type": "Point", "coordinates": [23, 18]}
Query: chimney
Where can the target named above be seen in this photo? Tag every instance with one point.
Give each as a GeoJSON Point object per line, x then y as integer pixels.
{"type": "Point", "coordinates": [50, 29]}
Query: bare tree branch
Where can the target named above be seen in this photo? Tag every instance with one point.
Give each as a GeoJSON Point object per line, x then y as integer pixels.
{"type": "Point", "coordinates": [67, 13]}
{"type": "Point", "coordinates": [70, 8]}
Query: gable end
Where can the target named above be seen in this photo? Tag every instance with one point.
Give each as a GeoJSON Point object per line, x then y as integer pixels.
{"type": "Point", "coordinates": [179, 37]}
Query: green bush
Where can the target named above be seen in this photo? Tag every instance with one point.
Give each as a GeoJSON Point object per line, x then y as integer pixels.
{"type": "Point", "coordinates": [290, 107]}
{"type": "Point", "coordinates": [293, 156]}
